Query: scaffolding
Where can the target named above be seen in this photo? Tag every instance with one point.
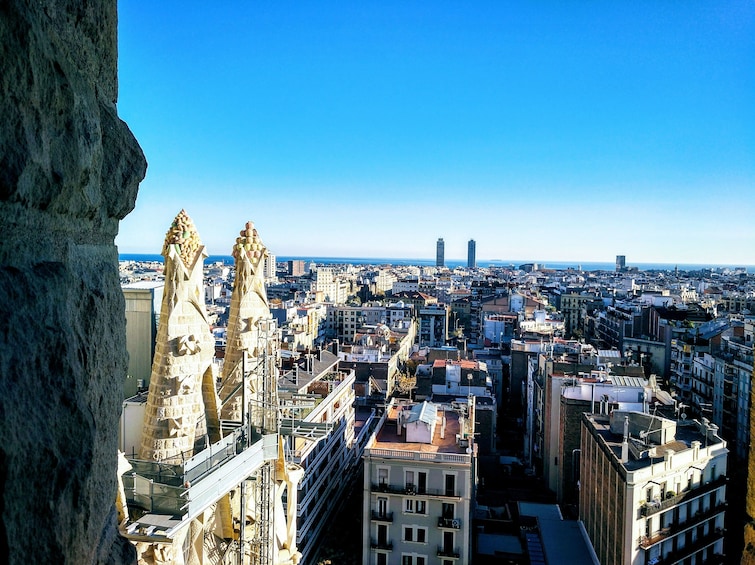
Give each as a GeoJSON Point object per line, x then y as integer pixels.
{"type": "Point", "coordinates": [165, 498]}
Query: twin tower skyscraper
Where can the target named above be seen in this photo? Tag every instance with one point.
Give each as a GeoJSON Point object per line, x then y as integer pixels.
{"type": "Point", "coordinates": [440, 253]}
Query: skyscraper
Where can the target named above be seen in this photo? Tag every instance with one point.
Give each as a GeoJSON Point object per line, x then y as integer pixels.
{"type": "Point", "coordinates": [471, 258]}
{"type": "Point", "coordinates": [440, 253]}
{"type": "Point", "coordinates": [621, 263]}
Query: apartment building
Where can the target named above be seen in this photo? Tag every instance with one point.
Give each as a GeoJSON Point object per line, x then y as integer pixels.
{"type": "Point", "coordinates": [573, 307]}
{"type": "Point", "coordinates": [328, 287]}
{"type": "Point", "coordinates": [143, 301]}
{"type": "Point", "coordinates": [652, 490]}
{"type": "Point", "coordinates": [419, 487]}
{"type": "Point", "coordinates": [344, 322]}
{"type": "Point", "coordinates": [318, 418]}
{"type": "Point", "coordinates": [433, 325]}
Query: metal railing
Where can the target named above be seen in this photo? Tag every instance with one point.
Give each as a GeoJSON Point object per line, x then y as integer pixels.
{"type": "Point", "coordinates": [453, 552]}
{"type": "Point", "coordinates": [382, 516]}
{"type": "Point", "coordinates": [414, 491]}
{"type": "Point", "coordinates": [451, 523]}
{"type": "Point", "coordinates": [650, 508]}
{"type": "Point", "coordinates": [385, 545]}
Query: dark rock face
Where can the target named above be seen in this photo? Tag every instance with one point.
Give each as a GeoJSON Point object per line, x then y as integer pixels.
{"type": "Point", "coordinates": [69, 171]}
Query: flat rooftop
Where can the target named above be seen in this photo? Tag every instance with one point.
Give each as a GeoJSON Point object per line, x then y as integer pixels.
{"type": "Point", "coordinates": [677, 436]}
{"type": "Point", "coordinates": [389, 438]}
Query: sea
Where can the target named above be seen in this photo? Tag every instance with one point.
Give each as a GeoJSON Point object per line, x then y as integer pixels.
{"type": "Point", "coordinates": [451, 263]}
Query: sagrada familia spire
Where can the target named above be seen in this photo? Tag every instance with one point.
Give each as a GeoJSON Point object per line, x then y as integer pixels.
{"type": "Point", "coordinates": [176, 417]}
{"type": "Point", "coordinates": [183, 415]}
{"type": "Point", "coordinates": [248, 306]}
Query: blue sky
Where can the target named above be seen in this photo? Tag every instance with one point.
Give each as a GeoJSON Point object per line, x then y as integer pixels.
{"type": "Point", "coordinates": [561, 131]}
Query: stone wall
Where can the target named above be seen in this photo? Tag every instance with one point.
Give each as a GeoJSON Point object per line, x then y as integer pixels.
{"type": "Point", "coordinates": [69, 171]}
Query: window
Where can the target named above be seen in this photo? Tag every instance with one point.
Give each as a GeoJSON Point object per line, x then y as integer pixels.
{"type": "Point", "coordinates": [409, 480]}
{"type": "Point", "coordinates": [382, 559]}
{"type": "Point", "coordinates": [382, 506]}
{"type": "Point", "coordinates": [383, 476]}
{"type": "Point", "coordinates": [450, 484]}
{"type": "Point", "coordinates": [413, 506]}
{"type": "Point", "coordinates": [415, 534]}
{"type": "Point", "coordinates": [421, 482]}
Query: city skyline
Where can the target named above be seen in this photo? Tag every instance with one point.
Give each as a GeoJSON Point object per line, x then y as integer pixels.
{"type": "Point", "coordinates": [547, 133]}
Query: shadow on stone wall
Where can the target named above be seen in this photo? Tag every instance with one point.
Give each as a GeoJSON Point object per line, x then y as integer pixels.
{"type": "Point", "coordinates": [69, 171]}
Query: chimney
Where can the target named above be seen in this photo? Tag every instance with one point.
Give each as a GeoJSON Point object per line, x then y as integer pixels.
{"type": "Point", "coordinates": [443, 427]}
{"type": "Point", "coordinates": [625, 443]}
{"type": "Point", "coordinates": [668, 459]}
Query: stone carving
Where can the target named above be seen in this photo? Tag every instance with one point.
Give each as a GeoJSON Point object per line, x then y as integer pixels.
{"type": "Point", "coordinates": [248, 306]}
{"type": "Point", "coordinates": [175, 413]}
{"type": "Point", "coordinates": [69, 172]}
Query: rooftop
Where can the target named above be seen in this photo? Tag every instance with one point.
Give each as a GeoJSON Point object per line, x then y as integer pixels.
{"type": "Point", "coordinates": [388, 436]}
{"type": "Point", "coordinates": [650, 437]}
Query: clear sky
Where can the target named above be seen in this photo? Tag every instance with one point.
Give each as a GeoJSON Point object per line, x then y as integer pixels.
{"type": "Point", "coordinates": [550, 131]}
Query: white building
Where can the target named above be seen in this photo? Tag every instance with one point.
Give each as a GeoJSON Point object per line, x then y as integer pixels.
{"type": "Point", "coordinates": [419, 487]}
{"type": "Point", "coordinates": [652, 490]}
{"type": "Point", "coordinates": [328, 287]}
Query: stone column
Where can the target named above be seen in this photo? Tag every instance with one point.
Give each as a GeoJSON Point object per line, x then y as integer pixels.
{"type": "Point", "coordinates": [69, 172]}
{"type": "Point", "coordinates": [748, 553]}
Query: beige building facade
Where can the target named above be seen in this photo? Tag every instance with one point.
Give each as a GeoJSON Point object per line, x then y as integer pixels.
{"type": "Point", "coordinates": [419, 484]}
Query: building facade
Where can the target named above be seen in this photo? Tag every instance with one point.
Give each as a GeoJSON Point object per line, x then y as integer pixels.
{"type": "Point", "coordinates": [440, 253]}
{"type": "Point", "coordinates": [471, 254]}
{"type": "Point", "coordinates": [652, 490]}
{"type": "Point", "coordinates": [419, 484]}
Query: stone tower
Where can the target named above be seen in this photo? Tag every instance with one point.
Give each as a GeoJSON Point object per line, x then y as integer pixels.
{"type": "Point", "coordinates": [176, 416]}
{"type": "Point", "coordinates": [70, 171]}
{"type": "Point", "coordinates": [248, 306]}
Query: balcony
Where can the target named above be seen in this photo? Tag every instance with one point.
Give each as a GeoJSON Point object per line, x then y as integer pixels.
{"type": "Point", "coordinates": [413, 491]}
{"type": "Point", "coordinates": [385, 545]}
{"type": "Point", "coordinates": [382, 516]}
{"type": "Point", "coordinates": [452, 552]}
{"type": "Point", "coordinates": [673, 529]}
{"type": "Point", "coordinates": [685, 552]}
{"type": "Point", "coordinates": [432, 457]}
{"type": "Point", "coordinates": [651, 508]}
{"type": "Point", "coordinates": [449, 523]}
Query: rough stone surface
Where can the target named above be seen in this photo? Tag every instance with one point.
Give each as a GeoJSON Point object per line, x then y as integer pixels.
{"type": "Point", "coordinates": [748, 552]}
{"type": "Point", "coordinates": [69, 171]}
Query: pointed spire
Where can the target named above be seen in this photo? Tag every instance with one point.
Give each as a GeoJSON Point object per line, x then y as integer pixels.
{"type": "Point", "coordinates": [249, 243]}
{"type": "Point", "coordinates": [183, 234]}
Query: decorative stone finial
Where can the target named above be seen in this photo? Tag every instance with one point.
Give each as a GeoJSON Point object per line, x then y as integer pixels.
{"type": "Point", "coordinates": [249, 242]}
{"type": "Point", "coordinates": [183, 234]}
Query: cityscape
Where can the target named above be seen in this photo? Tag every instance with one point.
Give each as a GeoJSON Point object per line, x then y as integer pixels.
{"type": "Point", "coordinates": [377, 283]}
{"type": "Point", "coordinates": [503, 414]}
